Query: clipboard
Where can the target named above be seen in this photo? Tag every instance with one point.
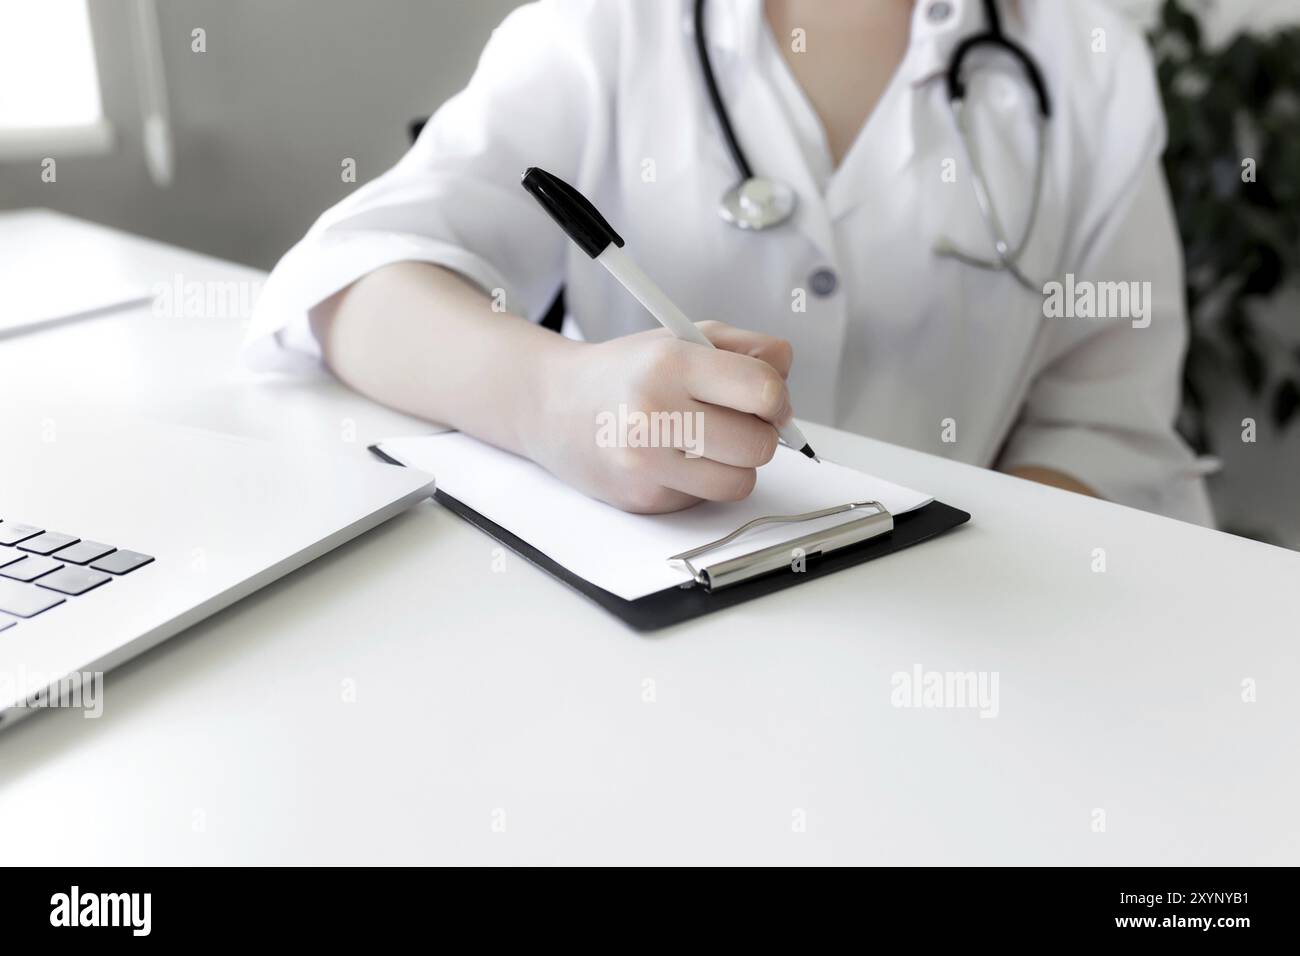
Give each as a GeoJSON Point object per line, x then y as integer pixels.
{"type": "Point", "coordinates": [716, 586]}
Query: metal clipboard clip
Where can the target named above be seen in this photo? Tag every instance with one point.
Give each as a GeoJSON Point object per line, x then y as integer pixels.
{"type": "Point", "coordinates": [723, 574]}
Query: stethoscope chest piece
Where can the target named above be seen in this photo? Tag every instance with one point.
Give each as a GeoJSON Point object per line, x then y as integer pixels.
{"type": "Point", "coordinates": [757, 203]}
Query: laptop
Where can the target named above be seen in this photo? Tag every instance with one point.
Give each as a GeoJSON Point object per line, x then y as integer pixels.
{"type": "Point", "coordinates": [113, 538]}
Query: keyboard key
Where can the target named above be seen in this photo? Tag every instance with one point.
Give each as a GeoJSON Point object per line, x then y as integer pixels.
{"type": "Point", "coordinates": [11, 532]}
{"type": "Point", "coordinates": [48, 543]}
{"type": "Point", "coordinates": [10, 555]}
{"type": "Point", "coordinates": [6, 621]}
{"type": "Point", "coordinates": [26, 600]}
{"type": "Point", "coordinates": [119, 562]}
{"type": "Point", "coordinates": [30, 568]}
{"type": "Point", "coordinates": [74, 580]}
{"type": "Point", "coordinates": [83, 552]}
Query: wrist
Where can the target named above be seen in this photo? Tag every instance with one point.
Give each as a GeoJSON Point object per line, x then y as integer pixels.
{"type": "Point", "coordinates": [544, 393]}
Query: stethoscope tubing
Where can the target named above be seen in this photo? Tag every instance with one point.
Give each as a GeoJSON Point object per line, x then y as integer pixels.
{"type": "Point", "coordinates": [715, 95]}
{"type": "Point", "coordinates": [1007, 257]}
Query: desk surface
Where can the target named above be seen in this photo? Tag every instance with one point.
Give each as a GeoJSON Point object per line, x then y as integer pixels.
{"type": "Point", "coordinates": [413, 698]}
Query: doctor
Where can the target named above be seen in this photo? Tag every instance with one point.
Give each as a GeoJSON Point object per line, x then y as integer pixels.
{"type": "Point", "coordinates": [898, 287]}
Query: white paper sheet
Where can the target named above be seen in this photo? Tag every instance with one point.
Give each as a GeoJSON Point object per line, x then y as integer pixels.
{"type": "Point", "coordinates": [624, 553]}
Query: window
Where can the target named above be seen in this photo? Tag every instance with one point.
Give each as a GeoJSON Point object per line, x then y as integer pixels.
{"type": "Point", "coordinates": [49, 81]}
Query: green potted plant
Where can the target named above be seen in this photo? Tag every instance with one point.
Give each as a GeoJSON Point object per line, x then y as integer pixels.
{"type": "Point", "coordinates": [1233, 164]}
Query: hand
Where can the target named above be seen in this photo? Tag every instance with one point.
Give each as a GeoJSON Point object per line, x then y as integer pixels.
{"type": "Point", "coordinates": [652, 424]}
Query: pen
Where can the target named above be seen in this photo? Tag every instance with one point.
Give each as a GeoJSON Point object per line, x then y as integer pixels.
{"type": "Point", "coordinates": [584, 224]}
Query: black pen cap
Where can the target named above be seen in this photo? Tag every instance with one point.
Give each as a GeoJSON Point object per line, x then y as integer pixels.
{"type": "Point", "coordinates": [572, 210]}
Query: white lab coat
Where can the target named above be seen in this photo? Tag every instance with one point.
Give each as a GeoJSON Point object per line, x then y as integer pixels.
{"type": "Point", "coordinates": [907, 347]}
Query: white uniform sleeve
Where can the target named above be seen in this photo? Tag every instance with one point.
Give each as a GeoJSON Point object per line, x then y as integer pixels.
{"type": "Point", "coordinates": [539, 97]}
{"type": "Point", "coordinates": [1102, 409]}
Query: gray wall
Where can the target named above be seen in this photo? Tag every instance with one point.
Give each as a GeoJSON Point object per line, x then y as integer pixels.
{"type": "Point", "coordinates": [262, 120]}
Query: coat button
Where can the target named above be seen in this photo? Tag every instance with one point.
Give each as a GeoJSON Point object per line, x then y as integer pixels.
{"type": "Point", "coordinates": [823, 282]}
{"type": "Point", "coordinates": [938, 11]}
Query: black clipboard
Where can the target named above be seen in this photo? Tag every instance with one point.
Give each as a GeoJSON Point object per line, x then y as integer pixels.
{"type": "Point", "coordinates": [677, 604]}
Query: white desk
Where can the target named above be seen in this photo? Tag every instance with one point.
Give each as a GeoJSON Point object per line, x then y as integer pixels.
{"type": "Point", "coordinates": [485, 697]}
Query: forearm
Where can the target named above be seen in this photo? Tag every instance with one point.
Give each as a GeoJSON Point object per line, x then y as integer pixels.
{"type": "Point", "coordinates": [423, 340]}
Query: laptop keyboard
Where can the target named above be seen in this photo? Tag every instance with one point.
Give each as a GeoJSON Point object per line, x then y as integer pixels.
{"type": "Point", "coordinates": [41, 569]}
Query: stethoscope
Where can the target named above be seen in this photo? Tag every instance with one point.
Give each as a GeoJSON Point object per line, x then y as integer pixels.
{"type": "Point", "coordinates": [758, 202]}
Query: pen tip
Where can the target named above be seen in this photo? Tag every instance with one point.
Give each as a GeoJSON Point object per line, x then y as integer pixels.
{"type": "Point", "coordinates": [807, 450]}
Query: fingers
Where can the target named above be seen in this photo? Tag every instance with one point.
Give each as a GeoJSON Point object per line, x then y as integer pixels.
{"type": "Point", "coordinates": [720, 434]}
{"type": "Point", "coordinates": [776, 352]}
{"type": "Point", "coordinates": [731, 437]}
{"type": "Point", "coordinates": [691, 423]}
{"type": "Point", "coordinates": [742, 382]}
{"type": "Point", "coordinates": [658, 480]}
{"type": "Point", "coordinates": [704, 478]}
{"type": "Point", "coordinates": [647, 499]}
